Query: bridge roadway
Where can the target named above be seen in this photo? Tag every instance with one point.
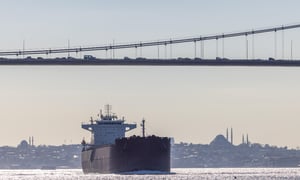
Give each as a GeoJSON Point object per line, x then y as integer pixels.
{"type": "Point", "coordinates": [151, 62]}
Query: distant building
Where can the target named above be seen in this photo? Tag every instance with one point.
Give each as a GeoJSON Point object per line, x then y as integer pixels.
{"type": "Point", "coordinates": [23, 145]}
{"type": "Point", "coordinates": [221, 142]}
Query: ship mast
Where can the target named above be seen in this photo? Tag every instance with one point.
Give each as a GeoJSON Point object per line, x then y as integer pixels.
{"type": "Point", "coordinates": [143, 127]}
{"type": "Point", "coordinates": [108, 110]}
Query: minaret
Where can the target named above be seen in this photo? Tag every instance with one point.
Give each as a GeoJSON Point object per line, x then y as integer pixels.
{"type": "Point", "coordinates": [32, 141]}
{"type": "Point", "coordinates": [243, 139]}
{"type": "Point", "coordinates": [231, 136]}
{"type": "Point", "coordinates": [227, 134]}
{"type": "Point", "coordinates": [247, 140]}
{"type": "Point", "coordinates": [29, 141]}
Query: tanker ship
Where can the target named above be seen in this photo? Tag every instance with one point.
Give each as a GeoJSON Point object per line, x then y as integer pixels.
{"type": "Point", "coordinates": [111, 152]}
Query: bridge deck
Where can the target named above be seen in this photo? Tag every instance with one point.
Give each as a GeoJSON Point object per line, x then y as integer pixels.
{"type": "Point", "coordinates": [151, 62]}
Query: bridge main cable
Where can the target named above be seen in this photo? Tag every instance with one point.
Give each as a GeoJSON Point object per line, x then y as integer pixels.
{"type": "Point", "coordinates": [145, 44]}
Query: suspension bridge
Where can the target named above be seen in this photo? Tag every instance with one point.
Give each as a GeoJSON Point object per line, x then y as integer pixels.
{"type": "Point", "coordinates": [17, 57]}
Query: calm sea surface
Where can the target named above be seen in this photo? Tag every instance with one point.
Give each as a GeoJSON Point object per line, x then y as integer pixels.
{"type": "Point", "coordinates": [186, 174]}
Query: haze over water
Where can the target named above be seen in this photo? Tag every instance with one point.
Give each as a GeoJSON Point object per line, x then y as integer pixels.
{"type": "Point", "coordinates": [191, 104]}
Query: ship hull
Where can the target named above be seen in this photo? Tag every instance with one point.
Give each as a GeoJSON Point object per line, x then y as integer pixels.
{"type": "Point", "coordinates": [128, 154]}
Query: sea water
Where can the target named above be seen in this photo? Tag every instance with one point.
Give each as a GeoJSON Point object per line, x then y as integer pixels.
{"type": "Point", "coordinates": [177, 174]}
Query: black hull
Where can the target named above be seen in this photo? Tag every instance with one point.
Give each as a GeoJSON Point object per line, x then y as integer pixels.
{"type": "Point", "coordinates": [128, 154]}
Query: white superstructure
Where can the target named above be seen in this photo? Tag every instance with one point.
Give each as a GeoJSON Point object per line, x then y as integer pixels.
{"type": "Point", "coordinates": [107, 128]}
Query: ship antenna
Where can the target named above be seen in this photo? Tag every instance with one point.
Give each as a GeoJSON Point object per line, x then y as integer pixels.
{"type": "Point", "coordinates": [108, 110]}
{"type": "Point", "coordinates": [143, 126]}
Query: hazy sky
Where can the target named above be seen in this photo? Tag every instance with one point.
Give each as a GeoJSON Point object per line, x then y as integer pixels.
{"type": "Point", "coordinates": [191, 104]}
{"type": "Point", "coordinates": [52, 23]}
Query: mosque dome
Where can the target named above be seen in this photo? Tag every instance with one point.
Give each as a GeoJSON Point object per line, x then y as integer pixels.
{"type": "Point", "coordinates": [23, 144]}
{"type": "Point", "coordinates": [220, 141]}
